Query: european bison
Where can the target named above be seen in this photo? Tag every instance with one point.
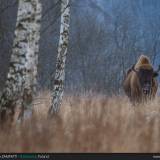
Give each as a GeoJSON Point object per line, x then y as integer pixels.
{"type": "Point", "coordinates": [140, 81]}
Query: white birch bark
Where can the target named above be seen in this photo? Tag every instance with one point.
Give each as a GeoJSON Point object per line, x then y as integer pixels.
{"type": "Point", "coordinates": [21, 77]}
{"type": "Point", "coordinates": [61, 58]}
{"type": "Point", "coordinates": [31, 62]}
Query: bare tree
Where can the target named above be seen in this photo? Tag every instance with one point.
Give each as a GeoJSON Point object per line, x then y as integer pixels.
{"type": "Point", "coordinates": [30, 82]}
{"type": "Point", "coordinates": [61, 58]}
{"type": "Point", "coordinates": [21, 78]}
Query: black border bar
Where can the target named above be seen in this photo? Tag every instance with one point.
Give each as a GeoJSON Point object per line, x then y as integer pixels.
{"type": "Point", "coordinates": [80, 156]}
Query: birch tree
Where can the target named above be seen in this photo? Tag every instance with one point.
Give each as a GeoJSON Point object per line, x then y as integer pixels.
{"type": "Point", "coordinates": [21, 78]}
{"type": "Point", "coordinates": [58, 88]}
{"type": "Point", "coordinates": [30, 82]}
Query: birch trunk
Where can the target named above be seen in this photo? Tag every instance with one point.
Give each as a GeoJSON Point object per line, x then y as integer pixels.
{"type": "Point", "coordinates": [31, 62]}
{"type": "Point", "coordinates": [61, 58]}
{"type": "Point", "coordinates": [21, 77]}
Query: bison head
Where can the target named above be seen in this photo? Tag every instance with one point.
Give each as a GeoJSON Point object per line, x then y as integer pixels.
{"type": "Point", "coordinates": [146, 78]}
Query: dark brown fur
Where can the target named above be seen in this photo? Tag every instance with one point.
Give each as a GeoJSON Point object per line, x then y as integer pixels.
{"type": "Point", "coordinates": [131, 83]}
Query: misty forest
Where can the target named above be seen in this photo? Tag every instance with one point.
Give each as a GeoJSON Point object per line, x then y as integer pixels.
{"type": "Point", "coordinates": [79, 76]}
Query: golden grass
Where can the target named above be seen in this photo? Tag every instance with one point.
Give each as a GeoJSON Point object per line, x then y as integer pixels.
{"type": "Point", "coordinates": [87, 124]}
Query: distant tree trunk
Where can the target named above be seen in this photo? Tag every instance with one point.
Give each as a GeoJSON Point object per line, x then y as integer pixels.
{"type": "Point", "coordinates": [21, 78]}
{"type": "Point", "coordinates": [61, 58]}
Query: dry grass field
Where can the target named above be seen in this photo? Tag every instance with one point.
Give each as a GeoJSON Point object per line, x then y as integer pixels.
{"type": "Point", "coordinates": [87, 124]}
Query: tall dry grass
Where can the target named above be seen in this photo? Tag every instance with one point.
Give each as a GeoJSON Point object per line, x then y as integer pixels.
{"type": "Point", "coordinates": [87, 124]}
